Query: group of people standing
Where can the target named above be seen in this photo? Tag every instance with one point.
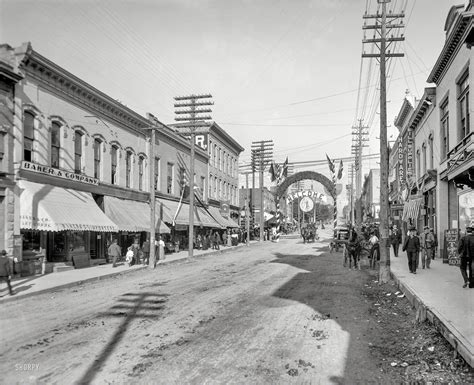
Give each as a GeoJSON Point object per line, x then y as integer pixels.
{"type": "Point", "coordinates": [425, 243]}
{"type": "Point", "coordinates": [136, 253]}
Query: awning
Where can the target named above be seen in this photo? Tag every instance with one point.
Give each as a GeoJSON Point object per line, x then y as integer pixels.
{"type": "Point", "coordinates": [224, 222]}
{"type": "Point", "coordinates": [411, 209]}
{"type": "Point", "coordinates": [133, 216]}
{"type": "Point", "coordinates": [50, 208]}
{"type": "Point", "coordinates": [178, 214]}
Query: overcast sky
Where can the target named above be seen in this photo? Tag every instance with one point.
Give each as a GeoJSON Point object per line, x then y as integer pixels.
{"type": "Point", "coordinates": [287, 70]}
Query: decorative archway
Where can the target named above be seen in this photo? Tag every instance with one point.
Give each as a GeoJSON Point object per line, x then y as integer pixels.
{"type": "Point", "coordinates": [299, 176]}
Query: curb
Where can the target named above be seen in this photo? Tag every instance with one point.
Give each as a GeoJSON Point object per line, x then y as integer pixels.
{"type": "Point", "coordinates": [114, 274]}
{"type": "Point", "coordinates": [442, 325]}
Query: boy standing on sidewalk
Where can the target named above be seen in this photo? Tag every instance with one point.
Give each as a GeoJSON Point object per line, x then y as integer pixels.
{"type": "Point", "coordinates": [115, 252]}
{"type": "Point", "coordinates": [5, 271]}
{"type": "Point", "coordinates": [412, 247]}
{"type": "Point", "coordinates": [427, 244]}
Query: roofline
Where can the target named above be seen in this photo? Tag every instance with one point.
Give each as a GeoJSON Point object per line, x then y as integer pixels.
{"type": "Point", "coordinates": [227, 137]}
{"type": "Point", "coordinates": [451, 46]}
{"type": "Point", "coordinates": [422, 107]}
{"type": "Point", "coordinates": [401, 117]}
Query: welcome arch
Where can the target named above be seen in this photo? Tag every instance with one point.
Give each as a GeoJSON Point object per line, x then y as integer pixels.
{"type": "Point", "coordinates": [299, 176]}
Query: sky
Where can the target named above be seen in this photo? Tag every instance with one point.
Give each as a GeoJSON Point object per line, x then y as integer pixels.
{"type": "Point", "coordinates": [286, 70]}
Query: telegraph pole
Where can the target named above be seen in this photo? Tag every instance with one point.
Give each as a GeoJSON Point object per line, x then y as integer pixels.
{"type": "Point", "coordinates": [262, 153]}
{"type": "Point", "coordinates": [193, 120]}
{"type": "Point", "coordinates": [383, 42]}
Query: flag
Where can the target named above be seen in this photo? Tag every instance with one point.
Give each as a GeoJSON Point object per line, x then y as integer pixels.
{"type": "Point", "coordinates": [272, 172]}
{"type": "Point", "coordinates": [339, 173]}
{"type": "Point", "coordinates": [284, 171]}
{"type": "Point", "coordinates": [331, 165]}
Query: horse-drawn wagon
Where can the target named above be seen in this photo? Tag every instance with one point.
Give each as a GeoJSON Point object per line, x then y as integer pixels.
{"type": "Point", "coordinates": [341, 237]}
{"type": "Point", "coordinates": [309, 233]}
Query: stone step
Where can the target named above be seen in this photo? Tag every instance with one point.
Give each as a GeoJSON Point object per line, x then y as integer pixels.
{"type": "Point", "coordinates": [64, 267]}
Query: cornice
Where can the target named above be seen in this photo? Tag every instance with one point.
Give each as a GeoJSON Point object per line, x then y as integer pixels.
{"type": "Point", "coordinates": [406, 108]}
{"type": "Point", "coordinates": [423, 105]}
{"type": "Point", "coordinates": [68, 85]}
{"type": "Point", "coordinates": [225, 137]}
{"type": "Point", "coordinates": [452, 45]}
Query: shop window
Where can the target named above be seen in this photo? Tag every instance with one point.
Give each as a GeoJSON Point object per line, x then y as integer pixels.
{"type": "Point", "coordinates": [444, 129]}
{"type": "Point", "coordinates": [169, 179]}
{"type": "Point", "coordinates": [78, 152]}
{"type": "Point", "coordinates": [463, 103]}
{"type": "Point", "coordinates": [128, 169]}
{"type": "Point", "coordinates": [77, 242]}
{"type": "Point", "coordinates": [55, 144]}
{"type": "Point", "coordinates": [140, 173]}
{"type": "Point", "coordinates": [97, 158]}
{"type": "Point", "coordinates": [114, 171]}
{"type": "Point", "coordinates": [31, 240]}
{"type": "Point", "coordinates": [28, 136]}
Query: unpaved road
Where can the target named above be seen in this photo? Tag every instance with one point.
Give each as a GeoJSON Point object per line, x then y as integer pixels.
{"type": "Point", "coordinates": [273, 313]}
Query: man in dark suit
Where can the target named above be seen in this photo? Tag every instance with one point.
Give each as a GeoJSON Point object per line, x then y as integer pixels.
{"type": "Point", "coordinates": [466, 249]}
{"type": "Point", "coordinates": [395, 239]}
{"type": "Point", "coordinates": [5, 270]}
{"type": "Point", "coordinates": [412, 247]}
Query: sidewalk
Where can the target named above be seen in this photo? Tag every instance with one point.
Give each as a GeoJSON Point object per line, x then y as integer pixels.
{"type": "Point", "coordinates": [37, 284]}
{"type": "Point", "coordinates": [438, 295]}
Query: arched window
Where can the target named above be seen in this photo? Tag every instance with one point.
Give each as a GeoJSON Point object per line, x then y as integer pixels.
{"type": "Point", "coordinates": [97, 157]}
{"type": "Point", "coordinates": [140, 173]}
{"type": "Point", "coordinates": [128, 169]}
{"type": "Point", "coordinates": [55, 143]}
{"type": "Point", "coordinates": [430, 141]}
{"type": "Point", "coordinates": [28, 135]}
{"type": "Point", "coordinates": [78, 151]}
{"type": "Point", "coordinates": [113, 162]}
{"type": "Point", "coordinates": [423, 154]}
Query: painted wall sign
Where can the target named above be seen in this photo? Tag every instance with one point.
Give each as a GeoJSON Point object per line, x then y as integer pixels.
{"type": "Point", "coordinates": [301, 194]}
{"type": "Point", "coordinates": [38, 168]}
{"type": "Point", "coordinates": [409, 158]}
{"type": "Point", "coordinates": [451, 245]}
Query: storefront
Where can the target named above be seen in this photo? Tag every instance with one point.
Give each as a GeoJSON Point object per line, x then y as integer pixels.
{"type": "Point", "coordinates": [133, 220]}
{"type": "Point", "coordinates": [176, 215]}
{"type": "Point", "coordinates": [62, 225]}
{"type": "Point", "coordinates": [411, 211]}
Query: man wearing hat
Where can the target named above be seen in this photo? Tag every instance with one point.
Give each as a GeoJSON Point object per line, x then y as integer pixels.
{"type": "Point", "coordinates": [466, 249]}
{"type": "Point", "coordinates": [412, 247]}
{"type": "Point", "coordinates": [5, 270]}
{"type": "Point", "coordinates": [427, 243]}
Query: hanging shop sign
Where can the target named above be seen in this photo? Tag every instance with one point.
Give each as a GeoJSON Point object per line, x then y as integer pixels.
{"type": "Point", "coordinates": [301, 194]}
{"type": "Point", "coordinates": [409, 160]}
{"type": "Point", "coordinates": [40, 169]}
{"type": "Point", "coordinates": [401, 169]}
{"type": "Point", "coordinates": [306, 204]}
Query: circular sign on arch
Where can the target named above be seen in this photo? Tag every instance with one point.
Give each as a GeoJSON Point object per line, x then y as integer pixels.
{"type": "Point", "coordinates": [306, 204]}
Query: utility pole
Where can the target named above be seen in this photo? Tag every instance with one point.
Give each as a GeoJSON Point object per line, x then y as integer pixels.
{"type": "Point", "coordinates": [262, 153]}
{"type": "Point", "coordinates": [193, 120]}
{"type": "Point", "coordinates": [351, 190]}
{"type": "Point", "coordinates": [383, 42]}
{"type": "Point", "coordinates": [360, 137]}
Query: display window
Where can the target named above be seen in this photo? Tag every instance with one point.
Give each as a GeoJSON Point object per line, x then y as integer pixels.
{"type": "Point", "coordinates": [466, 210]}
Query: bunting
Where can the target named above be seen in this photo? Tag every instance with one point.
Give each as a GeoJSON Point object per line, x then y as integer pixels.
{"type": "Point", "coordinates": [339, 173]}
{"type": "Point", "coordinates": [332, 168]}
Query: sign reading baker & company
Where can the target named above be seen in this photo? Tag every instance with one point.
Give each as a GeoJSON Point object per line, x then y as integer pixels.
{"type": "Point", "coordinates": [40, 169]}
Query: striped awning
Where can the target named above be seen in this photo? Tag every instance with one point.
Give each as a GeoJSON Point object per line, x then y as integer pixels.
{"type": "Point", "coordinates": [411, 209]}
{"type": "Point", "coordinates": [51, 208]}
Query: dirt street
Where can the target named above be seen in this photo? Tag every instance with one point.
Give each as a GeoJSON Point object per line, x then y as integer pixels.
{"type": "Point", "coordinates": [274, 313]}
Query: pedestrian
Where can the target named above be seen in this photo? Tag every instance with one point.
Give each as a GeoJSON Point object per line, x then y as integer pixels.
{"type": "Point", "coordinates": [224, 238]}
{"type": "Point", "coordinates": [466, 250]}
{"type": "Point", "coordinates": [435, 247]}
{"type": "Point", "coordinates": [217, 240]}
{"type": "Point", "coordinates": [146, 252]}
{"type": "Point", "coordinates": [160, 248]}
{"type": "Point", "coordinates": [427, 242]}
{"type": "Point", "coordinates": [395, 239]}
{"type": "Point", "coordinates": [115, 251]}
{"type": "Point", "coordinates": [5, 270]}
{"type": "Point", "coordinates": [135, 248]}
{"type": "Point", "coordinates": [412, 247]}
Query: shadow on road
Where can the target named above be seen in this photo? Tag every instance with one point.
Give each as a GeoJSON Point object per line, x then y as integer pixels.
{"type": "Point", "coordinates": [130, 307]}
{"type": "Point", "coordinates": [335, 293]}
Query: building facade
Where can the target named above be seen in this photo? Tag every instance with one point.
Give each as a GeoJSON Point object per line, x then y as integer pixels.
{"type": "Point", "coordinates": [75, 168]}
